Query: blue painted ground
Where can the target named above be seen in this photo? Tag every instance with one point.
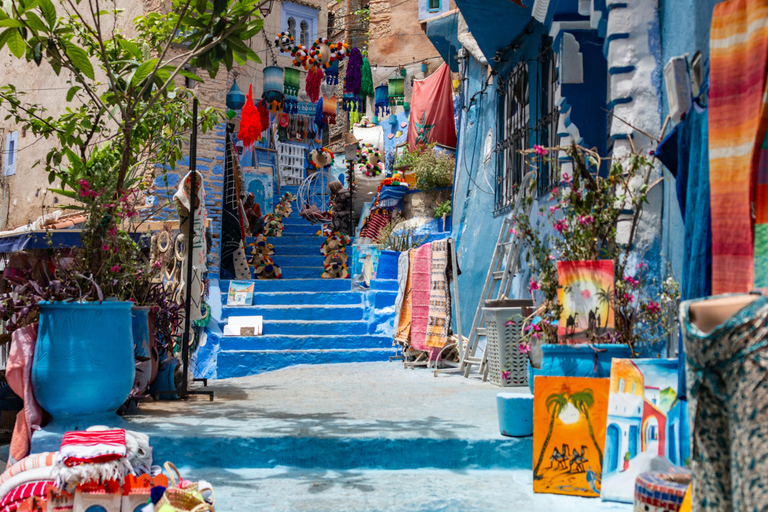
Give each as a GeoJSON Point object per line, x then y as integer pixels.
{"type": "Point", "coordinates": [307, 319]}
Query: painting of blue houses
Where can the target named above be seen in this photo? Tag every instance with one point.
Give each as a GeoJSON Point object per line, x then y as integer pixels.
{"type": "Point", "coordinates": [645, 422]}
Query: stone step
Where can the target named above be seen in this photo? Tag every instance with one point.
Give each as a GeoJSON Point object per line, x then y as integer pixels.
{"type": "Point", "coordinates": [316, 328]}
{"type": "Point", "coordinates": [288, 239]}
{"type": "Point", "coordinates": [241, 363]}
{"type": "Point", "coordinates": [389, 285]}
{"type": "Point", "coordinates": [299, 229]}
{"type": "Point", "coordinates": [236, 343]}
{"type": "Point", "coordinates": [306, 273]}
{"type": "Point", "coordinates": [309, 259]}
{"type": "Point", "coordinates": [314, 284]}
{"type": "Point", "coordinates": [297, 250]}
{"type": "Point", "coordinates": [292, 313]}
{"type": "Point", "coordinates": [302, 298]}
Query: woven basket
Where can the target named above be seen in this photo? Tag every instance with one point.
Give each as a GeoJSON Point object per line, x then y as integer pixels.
{"type": "Point", "coordinates": [507, 366]}
{"type": "Point", "coordinates": [186, 499]}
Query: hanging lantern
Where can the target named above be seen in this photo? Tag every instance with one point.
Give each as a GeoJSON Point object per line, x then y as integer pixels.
{"type": "Point", "coordinates": [285, 42]}
{"type": "Point", "coordinates": [348, 102]}
{"type": "Point", "coordinates": [332, 73]}
{"type": "Point", "coordinates": [382, 100]}
{"type": "Point", "coordinates": [291, 85]}
{"type": "Point", "coordinates": [396, 91]}
{"type": "Point", "coordinates": [235, 97]}
{"type": "Point", "coordinates": [273, 88]}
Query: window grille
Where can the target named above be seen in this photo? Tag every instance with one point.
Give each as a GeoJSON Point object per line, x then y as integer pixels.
{"type": "Point", "coordinates": [434, 5]}
{"type": "Point", "coordinates": [292, 26]}
{"type": "Point", "coordinates": [305, 33]}
{"type": "Point", "coordinates": [526, 117]}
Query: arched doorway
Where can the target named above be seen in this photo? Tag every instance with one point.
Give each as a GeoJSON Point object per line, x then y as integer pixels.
{"type": "Point", "coordinates": [651, 435]}
{"type": "Point", "coordinates": [612, 447]}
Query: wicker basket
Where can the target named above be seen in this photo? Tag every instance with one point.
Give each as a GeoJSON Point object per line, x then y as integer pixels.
{"type": "Point", "coordinates": [507, 366]}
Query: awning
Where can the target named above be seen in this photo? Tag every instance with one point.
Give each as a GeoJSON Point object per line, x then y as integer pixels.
{"type": "Point", "coordinates": [495, 23]}
{"type": "Point", "coordinates": [443, 33]}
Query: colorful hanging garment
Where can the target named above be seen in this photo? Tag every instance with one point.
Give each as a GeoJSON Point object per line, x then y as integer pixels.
{"type": "Point", "coordinates": [422, 285]}
{"type": "Point", "coordinates": [329, 110]}
{"type": "Point", "coordinates": [314, 79]}
{"type": "Point", "coordinates": [403, 332]}
{"type": "Point", "coordinates": [439, 298]}
{"type": "Point", "coordinates": [737, 151]}
{"type": "Point", "coordinates": [382, 100]}
{"type": "Point", "coordinates": [332, 73]}
{"type": "Point", "coordinates": [354, 72]}
{"type": "Point", "coordinates": [250, 121]}
{"type": "Point", "coordinates": [432, 111]}
{"type": "Point", "coordinates": [366, 80]}
{"type": "Point", "coordinates": [291, 87]}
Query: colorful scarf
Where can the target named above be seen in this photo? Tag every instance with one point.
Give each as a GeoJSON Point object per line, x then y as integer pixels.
{"type": "Point", "coordinates": [737, 151]}
{"type": "Point", "coordinates": [403, 332]}
{"type": "Point", "coordinates": [439, 298]}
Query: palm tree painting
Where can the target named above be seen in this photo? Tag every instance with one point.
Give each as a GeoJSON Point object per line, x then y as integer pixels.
{"type": "Point", "coordinates": [569, 419]}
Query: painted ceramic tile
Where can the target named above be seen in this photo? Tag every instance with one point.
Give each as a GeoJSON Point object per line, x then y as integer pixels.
{"type": "Point", "coordinates": [569, 416]}
{"type": "Point", "coordinates": [585, 287]}
{"type": "Point", "coordinates": [259, 181]}
{"type": "Point", "coordinates": [645, 423]}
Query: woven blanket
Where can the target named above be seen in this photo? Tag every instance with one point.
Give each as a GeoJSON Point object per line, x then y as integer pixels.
{"type": "Point", "coordinates": [92, 447]}
{"type": "Point", "coordinates": [377, 220]}
{"type": "Point", "coordinates": [10, 502]}
{"type": "Point", "coordinates": [422, 287]}
{"type": "Point", "coordinates": [439, 298]}
{"type": "Point", "coordinates": [403, 265]}
{"type": "Point", "coordinates": [403, 325]}
{"type": "Point", "coordinates": [38, 460]}
{"type": "Point", "coordinates": [738, 119]}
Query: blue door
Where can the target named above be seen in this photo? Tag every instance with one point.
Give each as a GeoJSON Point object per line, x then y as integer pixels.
{"type": "Point", "coordinates": [672, 443]}
{"type": "Point", "coordinates": [612, 447]}
{"type": "Point", "coordinates": [632, 442]}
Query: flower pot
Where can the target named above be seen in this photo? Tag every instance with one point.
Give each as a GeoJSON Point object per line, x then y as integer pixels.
{"type": "Point", "coordinates": [84, 363]}
{"type": "Point", "coordinates": [577, 361]}
{"type": "Point", "coordinates": [388, 265]}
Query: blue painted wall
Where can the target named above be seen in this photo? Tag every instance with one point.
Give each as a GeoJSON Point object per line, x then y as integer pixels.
{"type": "Point", "coordinates": [425, 13]}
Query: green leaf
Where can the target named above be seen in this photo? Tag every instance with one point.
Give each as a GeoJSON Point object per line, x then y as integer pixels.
{"type": "Point", "coordinates": [71, 92]}
{"type": "Point", "coordinates": [11, 23]}
{"type": "Point", "coordinates": [80, 59]}
{"type": "Point", "coordinates": [49, 11]}
{"type": "Point", "coordinates": [16, 43]}
{"type": "Point", "coordinates": [253, 28]}
{"type": "Point", "coordinates": [143, 71]}
{"type": "Point", "coordinates": [66, 193]}
{"type": "Point", "coordinates": [51, 177]}
{"type": "Point", "coordinates": [37, 53]}
{"type": "Point", "coordinates": [35, 22]}
{"type": "Point", "coordinates": [201, 5]}
{"type": "Point", "coordinates": [219, 6]}
{"type": "Point", "coordinates": [4, 36]}
{"type": "Point", "coordinates": [190, 75]}
{"type": "Point", "coordinates": [130, 47]}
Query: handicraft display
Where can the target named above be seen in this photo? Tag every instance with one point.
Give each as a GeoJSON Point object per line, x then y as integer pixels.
{"type": "Point", "coordinates": [371, 160]}
{"type": "Point", "coordinates": [585, 294]}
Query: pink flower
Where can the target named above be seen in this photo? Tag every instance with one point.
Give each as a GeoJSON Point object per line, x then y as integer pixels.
{"type": "Point", "coordinates": [83, 183]}
{"type": "Point", "coordinates": [584, 221]}
{"type": "Point", "coordinates": [629, 298]}
{"type": "Point", "coordinates": [105, 247]}
{"type": "Point", "coordinates": [534, 285]}
{"type": "Point", "coordinates": [112, 232]}
{"type": "Point", "coordinates": [653, 307]}
{"type": "Point", "coordinates": [524, 348]}
{"type": "Point", "coordinates": [566, 177]}
{"type": "Point", "coordinates": [513, 231]}
{"type": "Point", "coordinates": [641, 266]}
{"type": "Point", "coordinates": [539, 150]}
{"type": "Point", "coordinates": [555, 192]}
{"type": "Point", "coordinates": [561, 226]}
{"type": "Point", "coordinates": [505, 375]}
{"type": "Point", "coordinates": [586, 294]}
{"type": "Point", "coordinates": [536, 335]}
{"type": "Point", "coordinates": [552, 257]}
{"type": "Point", "coordinates": [553, 209]}
{"type": "Point", "coordinates": [631, 281]}
{"type": "Point", "coordinates": [116, 268]}
{"type": "Point", "coordinates": [157, 264]}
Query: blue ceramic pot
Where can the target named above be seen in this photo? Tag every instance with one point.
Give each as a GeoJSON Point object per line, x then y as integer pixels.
{"type": "Point", "coordinates": [84, 363]}
{"type": "Point", "coordinates": [388, 265]}
{"type": "Point", "coordinates": [577, 361]}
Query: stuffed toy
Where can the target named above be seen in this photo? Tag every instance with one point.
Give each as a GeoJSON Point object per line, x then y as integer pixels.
{"type": "Point", "coordinates": [336, 257]}
{"type": "Point", "coordinates": [335, 271]}
{"type": "Point", "coordinates": [259, 258]}
{"type": "Point", "coordinates": [266, 269]}
{"type": "Point", "coordinates": [273, 226]}
{"type": "Point", "coordinates": [260, 245]}
{"type": "Point", "coordinates": [333, 243]}
{"type": "Point", "coordinates": [283, 211]}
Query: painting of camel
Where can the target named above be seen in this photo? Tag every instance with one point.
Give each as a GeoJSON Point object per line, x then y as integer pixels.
{"type": "Point", "coordinates": [569, 420]}
{"type": "Point", "coordinates": [584, 292]}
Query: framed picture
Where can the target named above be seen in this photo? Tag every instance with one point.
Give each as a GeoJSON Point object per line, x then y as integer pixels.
{"type": "Point", "coordinates": [585, 291]}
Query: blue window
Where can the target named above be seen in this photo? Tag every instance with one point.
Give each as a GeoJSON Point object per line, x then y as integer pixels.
{"type": "Point", "coordinates": [433, 5]}
{"type": "Point", "coordinates": [300, 21]}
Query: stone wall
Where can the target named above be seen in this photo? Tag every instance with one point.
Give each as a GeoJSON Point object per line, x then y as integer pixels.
{"type": "Point", "coordinates": [396, 35]}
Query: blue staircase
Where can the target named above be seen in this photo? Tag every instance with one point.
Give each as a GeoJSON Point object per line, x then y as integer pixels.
{"type": "Point", "coordinates": [307, 319]}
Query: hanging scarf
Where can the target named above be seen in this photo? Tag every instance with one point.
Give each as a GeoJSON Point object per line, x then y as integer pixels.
{"type": "Point", "coordinates": [250, 121]}
{"type": "Point", "coordinates": [314, 79]}
{"type": "Point", "coordinates": [366, 83]}
{"type": "Point", "coordinates": [264, 113]}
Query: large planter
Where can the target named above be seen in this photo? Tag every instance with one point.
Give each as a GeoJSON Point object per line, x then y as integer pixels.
{"type": "Point", "coordinates": [84, 360]}
{"type": "Point", "coordinates": [388, 265]}
{"type": "Point", "coordinates": [142, 342]}
{"type": "Point", "coordinates": [577, 361]}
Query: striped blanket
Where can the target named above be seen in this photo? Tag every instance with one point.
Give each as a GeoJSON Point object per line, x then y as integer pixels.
{"type": "Point", "coordinates": [738, 119]}
{"type": "Point", "coordinates": [403, 327]}
{"type": "Point", "coordinates": [422, 287]}
{"type": "Point", "coordinates": [439, 298]}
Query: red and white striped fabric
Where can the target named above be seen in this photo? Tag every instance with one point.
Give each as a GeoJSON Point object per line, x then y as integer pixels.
{"type": "Point", "coordinates": [11, 501]}
{"type": "Point", "coordinates": [91, 447]}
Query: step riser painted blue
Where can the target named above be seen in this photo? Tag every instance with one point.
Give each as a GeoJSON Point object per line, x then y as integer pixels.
{"type": "Point", "coordinates": [316, 284]}
{"type": "Point", "coordinates": [306, 343]}
{"type": "Point", "coordinates": [315, 329]}
{"type": "Point", "coordinates": [293, 240]}
{"type": "Point", "coordinates": [299, 261]}
{"type": "Point", "coordinates": [307, 273]}
{"type": "Point", "coordinates": [298, 250]}
{"type": "Point", "coordinates": [299, 229]}
{"type": "Point", "coordinates": [304, 299]}
{"type": "Point", "coordinates": [385, 285]}
{"type": "Point", "coordinates": [242, 364]}
{"type": "Point", "coordinates": [312, 313]}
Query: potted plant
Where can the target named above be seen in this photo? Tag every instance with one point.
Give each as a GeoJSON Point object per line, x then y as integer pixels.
{"type": "Point", "coordinates": [627, 457]}
{"type": "Point", "coordinates": [395, 238]}
{"type": "Point", "coordinates": [579, 227]}
{"type": "Point", "coordinates": [443, 213]}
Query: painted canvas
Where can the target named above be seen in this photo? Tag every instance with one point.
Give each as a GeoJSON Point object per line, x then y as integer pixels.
{"type": "Point", "coordinates": [569, 416]}
{"type": "Point", "coordinates": [585, 288]}
{"type": "Point", "coordinates": [259, 181]}
{"type": "Point", "coordinates": [647, 425]}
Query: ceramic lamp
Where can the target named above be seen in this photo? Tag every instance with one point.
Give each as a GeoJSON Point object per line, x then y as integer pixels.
{"type": "Point", "coordinates": [235, 97]}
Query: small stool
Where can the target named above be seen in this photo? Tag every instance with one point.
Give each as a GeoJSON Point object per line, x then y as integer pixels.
{"type": "Point", "coordinates": [515, 414]}
{"type": "Point", "coordinates": [661, 491]}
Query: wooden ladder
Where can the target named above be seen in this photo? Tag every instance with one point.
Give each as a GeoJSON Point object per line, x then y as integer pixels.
{"type": "Point", "coordinates": [504, 265]}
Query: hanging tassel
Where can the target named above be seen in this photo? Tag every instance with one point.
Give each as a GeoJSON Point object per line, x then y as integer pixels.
{"type": "Point", "coordinates": [354, 68]}
{"type": "Point", "coordinates": [264, 113]}
{"type": "Point", "coordinates": [250, 121]}
{"type": "Point", "coordinates": [314, 79]}
{"type": "Point", "coordinates": [366, 83]}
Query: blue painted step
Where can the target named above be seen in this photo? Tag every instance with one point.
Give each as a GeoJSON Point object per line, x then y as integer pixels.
{"type": "Point", "coordinates": [287, 239]}
{"type": "Point", "coordinates": [302, 260]}
{"type": "Point", "coordinates": [306, 273]}
{"type": "Point", "coordinates": [299, 229]}
{"type": "Point", "coordinates": [297, 250]}
{"type": "Point", "coordinates": [315, 284]}
{"type": "Point", "coordinates": [317, 328]}
{"type": "Point", "coordinates": [384, 285]}
{"type": "Point", "coordinates": [241, 363]}
{"type": "Point", "coordinates": [234, 343]}
{"type": "Point", "coordinates": [292, 313]}
{"type": "Point", "coordinates": [289, 298]}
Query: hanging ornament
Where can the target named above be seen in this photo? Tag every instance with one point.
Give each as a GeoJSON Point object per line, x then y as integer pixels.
{"type": "Point", "coordinates": [273, 88]}
{"type": "Point", "coordinates": [332, 73]}
{"type": "Point", "coordinates": [322, 53]}
{"type": "Point", "coordinates": [382, 100]}
{"type": "Point", "coordinates": [314, 79]}
{"type": "Point", "coordinates": [300, 56]}
{"type": "Point", "coordinates": [329, 109]}
{"type": "Point", "coordinates": [284, 42]}
{"type": "Point", "coordinates": [291, 85]}
{"type": "Point", "coordinates": [319, 115]}
{"type": "Point", "coordinates": [354, 116]}
{"type": "Point", "coordinates": [319, 158]}
{"type": "Point", "coordinates": [396, 91]}
{"type": "Point", "coordinates": [327, 90]}
{"type": "Point", "coordinates": [250, 121]}
{"type": "Point", "coordinates": [235, 97]}
{"type": "Point", "coordinates": [370, 159]}
{"type": "Point", "coordinates": [366, 79]}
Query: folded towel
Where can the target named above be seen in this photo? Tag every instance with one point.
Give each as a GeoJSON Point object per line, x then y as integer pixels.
{"type": "Point", "coordinates": [92, 447]}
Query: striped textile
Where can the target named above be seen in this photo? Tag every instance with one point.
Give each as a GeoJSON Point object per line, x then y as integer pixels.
{"type": "Point", "coordinates": [738, 119]}
{"type": "Point", "coordinates": [403, 332]}
{"type": "Point", "coordinates": [422, 286]}
{"type": "Point", "coordinates": [377, 220]}
{"type": "Point", "coordinates": [439, 298]}
{"type": "Point", "coordinates": [38, 460]}
{"type": "Point", "coordinates": [92, 446]}
{"type": "Point", "coordinates": [10, 502]}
